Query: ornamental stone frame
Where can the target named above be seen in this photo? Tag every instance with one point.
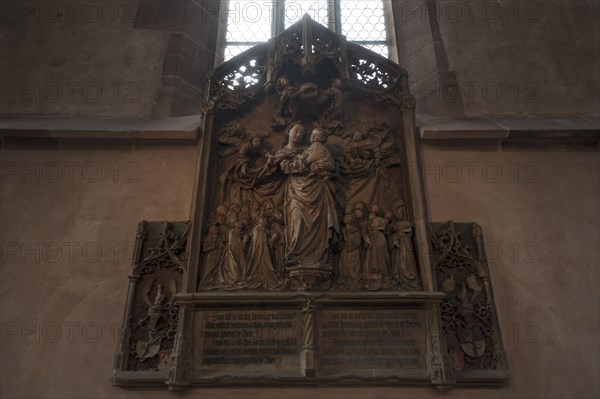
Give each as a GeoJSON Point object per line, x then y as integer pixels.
{"type": "Point", "coordinates": [309, 262]}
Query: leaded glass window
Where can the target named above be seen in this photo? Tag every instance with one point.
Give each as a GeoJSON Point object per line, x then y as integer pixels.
{"type": "Point", "coordinates": [250, 22]}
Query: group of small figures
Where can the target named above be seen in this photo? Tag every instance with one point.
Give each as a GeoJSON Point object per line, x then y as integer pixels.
{"type": "Point", "coordinates": [378, 250]}
{"type": "Point", "coordinates": [244, 247]}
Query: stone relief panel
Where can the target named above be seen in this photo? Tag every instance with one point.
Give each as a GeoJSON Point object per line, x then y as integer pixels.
{"type": "Point", "coordinates": [151, 315]}
{"type": "Point", "coordinates": [311, 259]}
{"type": "Point", "coordinates": [313, 205]}
{"type": "Point", "coordinates": [468, 312]}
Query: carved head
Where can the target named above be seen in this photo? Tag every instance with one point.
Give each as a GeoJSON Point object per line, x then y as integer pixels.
{"type": "Point", "coordinates": [262, 220]}
{"type": "Point", "coordinates": [359, 213]}
{"type": "Point", "coordinates": [389, 216]}
{"type": "Point", "coordinates": [283, 82]}
{"type": "Point", "coordinates": [360, 210]}
{"type": "Point", "coordinates": [358, 136]}
{"type": "Point", "coordinates": [348, 219]}
{"type": "Point", "coordinates": [337, 83]}
{"type": "Point", "coordinates": [278, 215]}
{"type": "Point", "coordinates": [245, 207]}
{"type": "Point", "coordinates": [348, 208]}
{"type": "Point", "coordinates": [244, 219]}
{"type": "Point", "coordinates": [239, 225]}
{"type": "Point", "coordinates": [213, 230]}
{"type": "Point", "coordinates": [319, 135]}
{"type": "Point", "coordinates": [268, 206]}
{"type": "Point", "coordinates": [256, 142]}
{"type": "Point", "coordinates": [220, 218]}
{"type": "Point", "coordinates": [296, 133]}
{"type": "Point", "coordinates": [375, 210]}
{"type": "Point", "coordinates": [232, 217]}
{"type": "Point", "coordinates": [222, 209]}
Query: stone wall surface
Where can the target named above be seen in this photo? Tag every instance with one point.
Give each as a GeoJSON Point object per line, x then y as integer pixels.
{"type": "Point", "coordinates": [67, 247]}
{"type": "Point", "coordinates": [477, 58]}
{"type": "Point", "coordinates": [137, 58]}
{"type": "Point", "coordinates": [67, 244]}
{"type": "Point", "coordinates": [78, 58]}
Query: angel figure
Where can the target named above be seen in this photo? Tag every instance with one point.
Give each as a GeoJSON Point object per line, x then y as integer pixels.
{"type": "Point", "coordinates": [368, 156]}
{"type": "Point", "coordinates": [333, 101]}
{"type": "Point", "coordinates": [287, 109]}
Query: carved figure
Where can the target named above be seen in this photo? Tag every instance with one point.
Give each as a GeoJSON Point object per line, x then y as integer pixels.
{"type": "Point", "coordinates": [155, 325]}
{"type": "Point", "coordinates": [377, 259]}
{"type": "Point", "coordinates": [350, 266]}
{"type": "Point", "coordinates": [277, 242]}
{"type": "Point", "coordinates": [369, 154]}
{"type": "Point", "coordinates": [260, 268]}
{"type": "Point", "coordinates": [234, 265]}
{"type": "Point", "coordinates": [288, 103]}
{"type": "Point", "coordinates": [404, 265]}
{"type": "Point", "coordinates": [154, 311]}
{"type": "Point", "coordinates": [333, 99]}
{"type": "Point", "coordinates": [317, 156]}
{"type": "Point", "coordinates": [249, 168]}
{"type": "Point", "coordinates": [310, 214]}
{"type": "Point", "coordinates": [212, 247]}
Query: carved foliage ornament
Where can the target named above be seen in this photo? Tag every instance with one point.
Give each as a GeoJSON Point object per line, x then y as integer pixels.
{"type": "Point", "coordinates": [467, 312]}
{"type": "Point", "coordinates": [310, 49]}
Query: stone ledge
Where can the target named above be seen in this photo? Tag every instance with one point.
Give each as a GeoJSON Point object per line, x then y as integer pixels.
{"type": "Point", "coordinates": [508, 129]}
{"type": "Point", "coordinates": [175, 128]}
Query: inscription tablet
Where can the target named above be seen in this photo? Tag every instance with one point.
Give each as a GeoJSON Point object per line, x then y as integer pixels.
{"type": "Point", "coordinates": [373, 339]}
{"type": "Point", "coordinates": [248, 339]}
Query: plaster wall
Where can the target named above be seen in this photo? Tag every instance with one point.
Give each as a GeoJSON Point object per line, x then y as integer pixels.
{"type": "Point", "coordinates": [66, 247]}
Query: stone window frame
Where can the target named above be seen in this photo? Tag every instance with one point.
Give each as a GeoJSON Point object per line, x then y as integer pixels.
{"type": "Point", "coordinates": [334, 23]}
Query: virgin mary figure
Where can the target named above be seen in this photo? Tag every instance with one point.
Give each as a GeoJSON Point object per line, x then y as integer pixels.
{"type": "Point", "coordinates": [310, 214]}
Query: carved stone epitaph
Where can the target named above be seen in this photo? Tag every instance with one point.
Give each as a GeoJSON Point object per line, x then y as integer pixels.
{"type": "Point", "coordinates": [310, 257]}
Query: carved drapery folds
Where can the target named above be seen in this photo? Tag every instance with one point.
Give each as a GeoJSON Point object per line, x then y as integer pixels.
{"type": "Point", "coordinates": [313, 164]}
{"type": "Point", "coordinates": [311, 73]}
{"type": "Point", "coordinates": [302, 217]}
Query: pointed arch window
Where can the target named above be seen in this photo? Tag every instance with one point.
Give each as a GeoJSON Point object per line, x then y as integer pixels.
{"type": "Point", "coordinates": [251, 22]}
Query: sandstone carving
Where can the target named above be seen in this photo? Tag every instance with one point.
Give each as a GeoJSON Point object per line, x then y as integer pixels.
{"type": "Point", "coordinates": [310, 259]}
